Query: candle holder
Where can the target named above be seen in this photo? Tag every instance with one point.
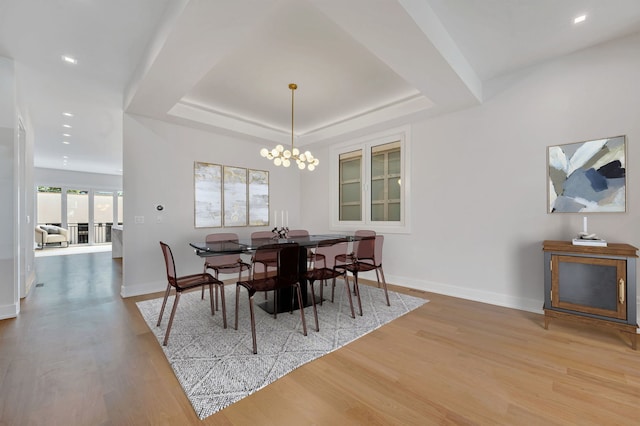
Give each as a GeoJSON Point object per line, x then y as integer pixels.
{"type": "Point", "coordinates": [280, 232]}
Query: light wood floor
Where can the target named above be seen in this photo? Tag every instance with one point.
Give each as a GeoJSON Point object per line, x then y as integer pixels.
{"type": "Point", "coordinates": [78, 354]}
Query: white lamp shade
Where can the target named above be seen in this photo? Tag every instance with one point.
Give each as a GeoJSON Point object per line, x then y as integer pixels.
{"type": "Point", "coordinates": [264, 152]}
{"type": "Point", "coordinates": [277, 161]}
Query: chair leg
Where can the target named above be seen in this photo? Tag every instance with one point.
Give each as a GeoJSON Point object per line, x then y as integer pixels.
{"type": "Point", "coordinates": [224, 305]}
{"type": "Point", "coordinates": [204, 272]}
{"type": "Point", "coordinates": [313, 302]}
{"type": "Point", "coordinates": [237, 300]}
{"type": "Point", "coordinates": [384, 284]}
{"type": "Point", "coordinates": [348, 289]}
{"type": "Point", "coordinates": [164, 303]}
{"type": "Point", "coordinates": [356, 290]}
{"type": "Point", "coordinates": [304, 323]}
{"type": "Point", "coordinates": [173, 313]}
{"type": "Point", "coordinates": [333, 288]}
{"type": "Point", "coordinates": [216, 277]}
{"type": "Point", "coordinates": [213, 311]}
{"type": "Point", "coordinates": [253, 325]}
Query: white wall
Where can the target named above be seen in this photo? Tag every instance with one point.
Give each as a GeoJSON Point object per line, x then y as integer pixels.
{"type": "Point", "coordinates": [479, 178]}
{"type": "Point", "coordinates": [158, 169]}
{"type": "Point", "coordinates": [9, 288]}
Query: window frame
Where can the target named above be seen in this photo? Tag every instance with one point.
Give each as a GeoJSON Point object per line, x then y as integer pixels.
{"type": "Point", "coordinates": [366, 143]}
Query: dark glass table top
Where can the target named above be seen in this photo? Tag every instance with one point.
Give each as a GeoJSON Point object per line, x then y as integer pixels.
{"type": "Point", "coordinates": [244, 245]}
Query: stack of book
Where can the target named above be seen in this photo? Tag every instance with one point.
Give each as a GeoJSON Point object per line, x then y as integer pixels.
{"type": "Point", "coordinates": [589, 242]}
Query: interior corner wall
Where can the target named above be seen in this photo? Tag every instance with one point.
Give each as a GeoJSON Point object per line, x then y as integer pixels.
{"type": "Point", "coordinates": [479, 185]}
{"type": "Point", "coordinates": [9, 298]}
{"type": "Point", "coordinates": [158, 167]}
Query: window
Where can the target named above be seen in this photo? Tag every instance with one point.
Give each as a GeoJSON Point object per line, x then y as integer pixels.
{"type": "Point", "coordinates": [49, 206]}
{"type": "Point", "coordinates": [385, 182]}
{"type": "Point", "coordinates": [351, 185]}
{"type": "Point", "coordinates": [87, 214]}
{"type": "Point", "coordinates": [371, 183]}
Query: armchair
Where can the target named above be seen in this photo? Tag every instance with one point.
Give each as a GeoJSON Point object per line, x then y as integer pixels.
{"type": "Point", "coordinates": [47, 234]}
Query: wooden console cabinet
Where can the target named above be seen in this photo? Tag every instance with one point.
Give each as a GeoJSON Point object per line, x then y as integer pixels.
{"type": "Point", "coordinates": [592, 285]}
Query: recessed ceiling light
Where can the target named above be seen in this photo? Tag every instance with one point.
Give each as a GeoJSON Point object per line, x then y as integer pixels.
{"type": "Point", "coordinates": [68, 126]}
{"type": "Point", "coordinates": [65, 157]}
{"type": "Point", "coordinates": [66, 135]}
{"type": "Point", "coordinates": [67, 114]}
{"type": "Point", "coordinates": [70, 59]}
{"type": "Point", "coordinates": [579, 19]}
{"type": "Point", "coordinates": [66, 142]}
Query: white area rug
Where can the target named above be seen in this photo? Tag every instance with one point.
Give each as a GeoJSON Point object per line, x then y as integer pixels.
{"type": "Point", "coordinates": [216, 366]}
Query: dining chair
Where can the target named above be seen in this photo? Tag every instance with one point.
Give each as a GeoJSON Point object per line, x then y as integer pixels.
{"type": "Point", "coordinates": [226, 263]}
{"type": "Point", "coordinates": [367, 258]}
{"type": "Point", "coordinates": [348, 257]}
{"type": "Point", "coordinates": [265, 262]}
{"type": "Point", "coordinates": [287, 276]}
{"type": "Point", "coordinates": [329, 251]}
{"type": "Point", "coordinates": [184, 283]}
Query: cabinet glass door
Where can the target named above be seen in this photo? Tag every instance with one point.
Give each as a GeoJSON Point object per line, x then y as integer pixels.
{"type": "Point", "coordinates": [591, 285]}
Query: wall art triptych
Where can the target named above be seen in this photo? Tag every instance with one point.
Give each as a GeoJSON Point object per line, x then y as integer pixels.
{"type": "Point", "coordinates": [228, 196]}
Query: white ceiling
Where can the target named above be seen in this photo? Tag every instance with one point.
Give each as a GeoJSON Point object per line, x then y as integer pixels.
{"type": "Point", "coordinates": [227, 64]}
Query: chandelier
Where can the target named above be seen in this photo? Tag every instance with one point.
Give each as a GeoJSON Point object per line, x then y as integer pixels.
{"type": "Point", "coordinates": [284, 157]}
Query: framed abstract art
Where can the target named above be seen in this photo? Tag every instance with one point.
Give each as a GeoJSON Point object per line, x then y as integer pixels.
{"type": "Point", "coordinates": [587, 176]}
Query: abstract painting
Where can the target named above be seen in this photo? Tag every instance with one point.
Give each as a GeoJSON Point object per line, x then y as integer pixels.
{"type": "Point", "coordinates": [230, 196]}
{"type": "Point", "coordinates": [258, 198]}
{"type": "Point", "coordinates": [587, 176]}
{"type": "Point", "coordinates": [208, 195]}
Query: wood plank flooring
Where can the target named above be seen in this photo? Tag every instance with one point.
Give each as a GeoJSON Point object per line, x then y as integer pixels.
{"type": "Point", "coordinates": [79, 354]}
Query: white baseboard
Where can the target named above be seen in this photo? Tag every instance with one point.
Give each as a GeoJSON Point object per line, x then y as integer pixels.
{"type": "Point", "coordinates": [30, 281]}
{"type": "Point", "coordinates": [9, 311]}
{"type": "Point", "coordinates": [498, 299]}
{"type": "Point", "coordinates": [141, 289]}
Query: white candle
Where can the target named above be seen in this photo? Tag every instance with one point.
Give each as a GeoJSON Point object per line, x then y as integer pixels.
{"type": "Point", "coordinates": [282, 218]}
{"type": "Point", "coordinates": [275, 218]}
{"type": "Point", "coordinates": [287, 225]}
{"type": "Point", "coordinates": [584, 225]}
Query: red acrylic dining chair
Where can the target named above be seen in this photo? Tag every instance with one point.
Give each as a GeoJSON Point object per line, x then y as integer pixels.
{"type": "Point", "coordinates": [263, 263]}
{"type": "Point", "coordinates": [287, 275]}
{"type": "Point", "coordinates": [348, 257]}
{"type": "Point", "coordinates": [330, 250]}
{"type": "Point", "coordinates": [184, 283]}
{"type": "Point", "coordinates": [226, 263]}
{"type": "Point", "coordinates": [368, 257]}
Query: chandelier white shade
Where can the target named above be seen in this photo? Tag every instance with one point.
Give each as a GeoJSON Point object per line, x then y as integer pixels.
{"type": "Point", "coordinates": [284, 157]}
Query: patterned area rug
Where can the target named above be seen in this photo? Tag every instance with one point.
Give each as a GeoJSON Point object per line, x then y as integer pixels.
{"type": "Point", "coordinates": [216, 367]}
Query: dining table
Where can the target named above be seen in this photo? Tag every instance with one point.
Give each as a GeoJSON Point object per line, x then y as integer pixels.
{"type": "Point", "coordinates": [286, 301]}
